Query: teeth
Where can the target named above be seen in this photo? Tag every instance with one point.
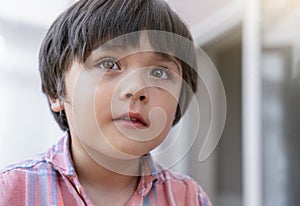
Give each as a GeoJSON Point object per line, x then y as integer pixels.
{"type": "Point", "coordinates": [130, 119]}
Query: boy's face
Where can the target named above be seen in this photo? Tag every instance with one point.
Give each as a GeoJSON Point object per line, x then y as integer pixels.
{"type": "Point", "coordinates": [122, 101]}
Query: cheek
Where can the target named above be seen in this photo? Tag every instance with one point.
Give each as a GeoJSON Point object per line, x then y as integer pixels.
{"type": "Point", "coordinates": [168, 103]}
{"type": "Point", "coordinates": [102, 104]}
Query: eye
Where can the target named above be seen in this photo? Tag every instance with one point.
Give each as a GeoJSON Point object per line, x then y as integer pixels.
{"type": "Point", "coordinates": [108, 64]}
{"type": "Point", "coordinates": [161, 72]}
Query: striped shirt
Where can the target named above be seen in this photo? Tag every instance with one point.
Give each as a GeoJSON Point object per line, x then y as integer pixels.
{"type": "Point", "coordinates": [50, 179]}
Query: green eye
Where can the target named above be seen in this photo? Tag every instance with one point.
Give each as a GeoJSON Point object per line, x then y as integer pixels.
{"type": "Point", "coordinates": [157, 73]}
{"type": "Point", "coordinates": [108, 64]}
{"type": "Point", "coordinates": [161, 72]}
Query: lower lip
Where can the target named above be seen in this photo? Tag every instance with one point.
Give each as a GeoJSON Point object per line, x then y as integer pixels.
{"type": "Point", "coordinates": [129, 124]}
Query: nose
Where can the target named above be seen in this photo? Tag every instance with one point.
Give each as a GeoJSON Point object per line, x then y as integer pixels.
{"type": "Point", "coordinates": [135, 91]}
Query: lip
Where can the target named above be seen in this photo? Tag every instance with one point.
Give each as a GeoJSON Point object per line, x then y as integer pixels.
{"type": "Point", "coordinates": [132, 119]}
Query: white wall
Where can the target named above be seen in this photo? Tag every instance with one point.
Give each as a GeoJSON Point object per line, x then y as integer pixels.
{"type": "Point", "coordinates": [26, 125]}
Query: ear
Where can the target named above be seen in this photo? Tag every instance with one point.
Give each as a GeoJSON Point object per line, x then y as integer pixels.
{"type": "Point", "coordinates": [56, 105]}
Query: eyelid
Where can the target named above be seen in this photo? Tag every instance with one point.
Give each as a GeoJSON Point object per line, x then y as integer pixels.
{"type": "Point", "coordinates": [171, 66]}
{"type": "Point", "coordinates": [166, 69]}
{"type": "Point", "coordinates": [112, 59]}
{"type": "Point", "coordinates": [168, 72]}
{"type": "Point", "coordinates": [106, 58]}
{"type": "Point", "coordinates": [169, 59]}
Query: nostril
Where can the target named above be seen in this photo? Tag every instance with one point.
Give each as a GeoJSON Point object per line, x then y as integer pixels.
{"type": "Point", "coordinates": [142, 98]}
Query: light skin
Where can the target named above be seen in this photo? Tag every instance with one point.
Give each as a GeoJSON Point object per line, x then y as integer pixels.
{"type": "Point", "coordinates": [125, 83]}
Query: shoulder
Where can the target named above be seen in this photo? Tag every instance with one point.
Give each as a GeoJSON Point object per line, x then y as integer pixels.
{"type": "Point", "coordinates": [185, 186]}
{"type": "Point", "coordinates": [33, 179]}
{"type": "Point", "coordinates": [18, 172]}
{"type": "Point", "coordinates": [181, 180]}
{"type": "Point", "coordinates": [18, 179]}
{"type": "Point", "coordinates": [56, 158]}
{"type": "Point", "coordinates": [48, 163]}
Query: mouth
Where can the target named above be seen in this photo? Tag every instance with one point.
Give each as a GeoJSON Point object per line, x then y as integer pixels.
{"type": "Point", "coordinates": [132, 119]}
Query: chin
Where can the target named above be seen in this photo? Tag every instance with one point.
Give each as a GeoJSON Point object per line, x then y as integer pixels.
{"type": "Point", "coordinates": [136, 150]}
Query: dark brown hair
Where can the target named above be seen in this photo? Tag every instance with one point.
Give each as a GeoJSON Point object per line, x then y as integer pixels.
{"type": "Point", "coordinates": [89, 23]}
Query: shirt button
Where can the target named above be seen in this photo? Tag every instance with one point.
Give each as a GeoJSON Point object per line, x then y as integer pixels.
{"type": "Point", "coordinates": [78, 189]}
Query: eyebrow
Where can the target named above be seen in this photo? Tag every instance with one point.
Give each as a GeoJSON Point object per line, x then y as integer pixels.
{"type": "Point", "coordinates": [168, 58]}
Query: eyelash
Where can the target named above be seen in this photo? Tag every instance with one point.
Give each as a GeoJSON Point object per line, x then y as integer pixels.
{"type": "Point", "coordinates": [166, 74]}
{"type": "Point", "coordinates": [100, 64]}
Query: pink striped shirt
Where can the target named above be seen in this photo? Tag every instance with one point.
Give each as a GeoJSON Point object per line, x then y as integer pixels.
{"type": "Point", "coordinates": [50, 179]}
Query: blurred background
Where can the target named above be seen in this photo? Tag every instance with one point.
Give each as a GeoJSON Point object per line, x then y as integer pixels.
{"type": "Point", "coordinates": [255, 46]}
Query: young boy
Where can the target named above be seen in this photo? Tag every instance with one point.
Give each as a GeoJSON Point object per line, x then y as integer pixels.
{"type": "Point", "coordinates": [116, 80]}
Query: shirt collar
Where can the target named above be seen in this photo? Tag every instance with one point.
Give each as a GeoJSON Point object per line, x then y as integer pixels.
{"type": "Point", "coordinates": [150, 172]}
{"type": "Point", "coordinates": [60, 157]}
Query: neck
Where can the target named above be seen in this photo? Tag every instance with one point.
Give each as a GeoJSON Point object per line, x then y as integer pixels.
{"type": "Point", "coordinates": [109, 174]}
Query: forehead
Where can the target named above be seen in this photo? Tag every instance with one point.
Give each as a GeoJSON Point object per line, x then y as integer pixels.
{"type": "Point", "coordinates": [140, 41]}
